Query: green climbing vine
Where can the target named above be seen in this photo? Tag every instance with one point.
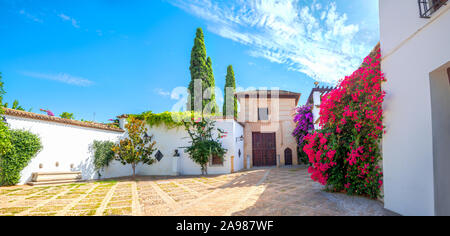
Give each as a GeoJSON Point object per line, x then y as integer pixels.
{"type": "Point", "coordinates": [169, 119]}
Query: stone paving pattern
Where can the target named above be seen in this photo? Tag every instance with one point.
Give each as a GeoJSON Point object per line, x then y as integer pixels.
{"type": "Point", "coordinates": [260, 192]}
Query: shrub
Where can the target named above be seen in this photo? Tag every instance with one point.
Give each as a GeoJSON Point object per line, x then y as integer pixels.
{"type": "Point", "coordinates": [103, 155]}
{"type": "Point", "coordinates": [304, 124]}
{"type": "Point", "coordinates": [67, 115]}
{"type": "Point", "coordinates": [25, 146]}
{"type": "Point", "coordinates": [203, 145]}
{"type": "Point", "coordinates": [5, 143]}
{"type": "Point", "coordinates": [345, 154]}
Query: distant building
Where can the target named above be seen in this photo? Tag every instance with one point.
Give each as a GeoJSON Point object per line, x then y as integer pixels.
{"type": "Point", "coordinates": [267, 116]}
{"type": "Point", "coordinates": [314, 100]}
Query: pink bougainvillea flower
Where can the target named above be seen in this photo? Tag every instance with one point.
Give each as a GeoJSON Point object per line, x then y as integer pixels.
{"type": "Point", "coordinates": [50, 113]}
{"type": "Point", "coordinates": [351, 122]}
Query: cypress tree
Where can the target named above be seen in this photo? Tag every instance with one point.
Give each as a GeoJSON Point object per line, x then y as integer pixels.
{"type": "Point", "coordinates": [230, 82]}
{"type": "Point", "coordinates": [212, 85]}
{"type": "Point", "coordinates": [201, 69]}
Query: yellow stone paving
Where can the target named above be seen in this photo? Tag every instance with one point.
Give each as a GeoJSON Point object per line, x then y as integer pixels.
{"type": "Point", "coordinates": [269, 192]}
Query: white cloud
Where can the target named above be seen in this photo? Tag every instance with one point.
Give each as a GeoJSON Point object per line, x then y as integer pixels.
{"type": "Point", "coordinates": [311, 38]}
{"type": "Point", "coordinates": [68, 18]}
{"type": "Point", "coordinates": [30, 16]}
{"type": "Point", "coordinates": [61, 77]}
{"type": "Point", "coordinates": [64, 17]}
{"type": "Point", "coordinates": [162, 92]}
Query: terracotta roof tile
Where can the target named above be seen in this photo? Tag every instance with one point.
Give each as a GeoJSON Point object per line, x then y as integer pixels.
{"type": "Point", "coordinates": [35, 116]}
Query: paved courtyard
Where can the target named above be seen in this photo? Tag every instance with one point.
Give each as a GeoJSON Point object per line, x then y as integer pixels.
{"type": "Point", "coordinates": [271, 192]}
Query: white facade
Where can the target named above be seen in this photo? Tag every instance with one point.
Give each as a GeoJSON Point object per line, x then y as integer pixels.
{"type": "Point", "coordinates": [314, 100]}
{"type": "Point", "coordinates": [416, 151]}
{"type": "Point", "coordinates": [317, 98]}
{"type": "Point", "coordinates": [67, 148]}
{"type": "Point", "coordinates": [67, 145]}
{"type": "Point", "coordinates": [169, 140]}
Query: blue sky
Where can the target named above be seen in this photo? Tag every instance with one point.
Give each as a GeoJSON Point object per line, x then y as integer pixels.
{"type": "Point", "coordinates": [111, 57]}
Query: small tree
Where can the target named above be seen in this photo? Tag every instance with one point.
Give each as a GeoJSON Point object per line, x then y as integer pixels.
{"type": "Point", "coordinates": [67, 115]}
{"type": "Point", "coordinates": [203, 145]}
{"type": "Point", "coordinates": [137, 147]}
{"type": "Point", "coordinates": [5, 143]}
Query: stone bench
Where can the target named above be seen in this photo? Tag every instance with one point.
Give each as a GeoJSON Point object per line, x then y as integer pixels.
{"type": "Point", "coordinates": [46, 178]}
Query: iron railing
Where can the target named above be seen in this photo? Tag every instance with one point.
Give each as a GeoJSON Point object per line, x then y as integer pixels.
{"type": "Point", "coordinates": [428, 7]}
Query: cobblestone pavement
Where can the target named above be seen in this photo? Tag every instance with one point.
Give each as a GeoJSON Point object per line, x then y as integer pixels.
{"type": "Point", "coordinates": [271, 192]}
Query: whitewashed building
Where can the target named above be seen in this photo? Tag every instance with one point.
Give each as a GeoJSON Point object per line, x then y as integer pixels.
{"type": "Point", "coordinates": [415, 36]}
{"type": "Point", "coordinates": [67, 148]}
{"type": "Point", "coordinates": [314, 100]}
{"type": "Point", "coordinates": [169, 141]}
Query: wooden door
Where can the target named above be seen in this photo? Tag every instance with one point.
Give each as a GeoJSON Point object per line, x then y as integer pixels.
{"type": "Point", "coordinates": [264, 149]}
{"type": "Point", "coordinates": [288, 157]}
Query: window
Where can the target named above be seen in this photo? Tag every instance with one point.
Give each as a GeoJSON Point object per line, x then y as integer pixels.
{"type": "Point", "coordinates": [215, 161]}
{"type": "Point", "coordinates": [436, 4]}
{"type": "Point", "coordinates": [263, 113]}
{"type": "Point", "coordinates": [428, 7]}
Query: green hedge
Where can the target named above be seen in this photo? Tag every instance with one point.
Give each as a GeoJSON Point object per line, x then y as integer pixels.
{"type": "Point", "coordinates": [25, 146]}
{"type": "Point", "coordinates": [5, 143]}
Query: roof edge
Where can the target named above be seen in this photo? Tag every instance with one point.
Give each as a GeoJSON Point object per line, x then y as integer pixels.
{"type": "Point", "coordinates": [35, 116]}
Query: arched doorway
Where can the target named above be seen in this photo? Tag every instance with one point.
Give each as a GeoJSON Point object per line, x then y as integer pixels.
{"type": "Point", "coordinates": [288, 157]}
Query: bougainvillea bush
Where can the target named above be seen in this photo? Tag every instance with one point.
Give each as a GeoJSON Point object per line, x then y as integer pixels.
{"type": "Point", "coordinates": [304, 124]}
{"type": "Point", "coordinates": [345, 153]}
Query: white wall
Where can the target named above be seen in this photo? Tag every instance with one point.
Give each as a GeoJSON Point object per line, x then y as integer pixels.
{"type": "Point", "coordinates": [411, 48]}
{"type": "Point", "coordinates": [239, 146]}
{"type": "Point", "coordinates": [167, 140]}
{"type": "Point", "coordinates": [316, 110]}
{"type": "Point", "coordinates": [65, 144]}
{"type": "Point", "coordinates": [440, 103]}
